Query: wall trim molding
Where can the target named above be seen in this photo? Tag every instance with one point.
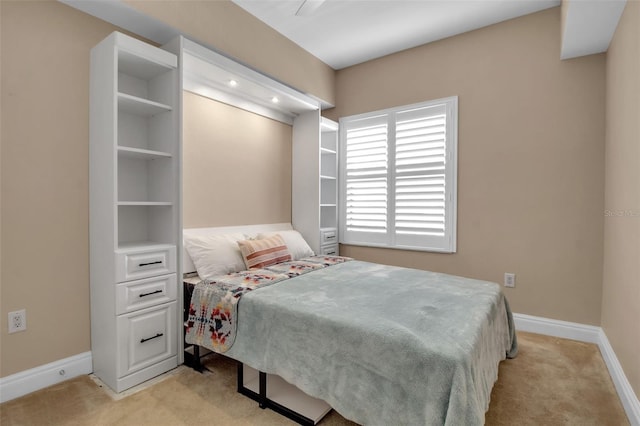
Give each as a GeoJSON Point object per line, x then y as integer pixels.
{"type": "Point", "coordinates": [24, 382]}
{"type": "Point", "coordinates": [588, 334]}
{"type": "Point", "coordinates": [557, 328]}
{"type": "Point", "coordinates": [628, 397]}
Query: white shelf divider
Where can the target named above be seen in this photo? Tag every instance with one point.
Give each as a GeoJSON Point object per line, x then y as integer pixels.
{"type": "Point", "coordinates": [142, 154]}
{"type": "Point", "coordinates": [140, 106]}
{"type": "Point", "coordinates": [145, 203]}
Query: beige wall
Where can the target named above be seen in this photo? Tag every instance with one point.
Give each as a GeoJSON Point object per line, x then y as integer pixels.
{"type": "Point", "coordinates": [45, 199]}
{"type": "Point", "coordinates": [236, 166]}
{"type": "Point", "coordinates": [44, 169]}
{"type": "Point", "coordinates": [530, 170]}
{"type": "Point", "coordinates": [621, 286]}
{"type": "Point", "coordinates": [226, 27]}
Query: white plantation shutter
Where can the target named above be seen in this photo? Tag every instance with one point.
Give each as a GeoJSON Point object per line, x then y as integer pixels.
{"type": "Point", "coordinates": [420, 148]}
{"type": "Point", "coordinates": [398, 172]}
{"type": "Point", "coordinates": [366, 172]}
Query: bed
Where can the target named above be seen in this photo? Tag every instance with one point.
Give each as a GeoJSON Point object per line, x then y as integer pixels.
{"type": "Point", "coordinates": [380, 344]}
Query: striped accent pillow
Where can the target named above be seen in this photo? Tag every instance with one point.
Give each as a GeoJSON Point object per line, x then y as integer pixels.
{"type": "Point", "coordinates": [264, 252]}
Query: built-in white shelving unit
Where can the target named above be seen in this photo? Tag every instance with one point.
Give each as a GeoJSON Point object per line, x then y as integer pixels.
{"type": "Point", "coordinates": [135, 194]}
{"type": "Point", "coordinates": [135, 229]}
{"type": "Point", "coordinates": [315, 181]}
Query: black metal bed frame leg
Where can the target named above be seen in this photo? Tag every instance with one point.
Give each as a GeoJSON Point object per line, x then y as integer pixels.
{"type": "Point", "coordinates": [263, 389]}
{"type": "Point", "coordinates": [240, 378]}
{"type": "Point", "coordinates": [197, 365]}
{"type": "Point", "coordinates": [264, 402]}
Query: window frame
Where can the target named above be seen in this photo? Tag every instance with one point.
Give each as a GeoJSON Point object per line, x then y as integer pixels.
{"type": "Point", "coordinates": [444, 244]}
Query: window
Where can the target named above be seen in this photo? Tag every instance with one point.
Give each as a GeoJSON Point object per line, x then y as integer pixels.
{"type": "Point", "coordinates": [398, 177]}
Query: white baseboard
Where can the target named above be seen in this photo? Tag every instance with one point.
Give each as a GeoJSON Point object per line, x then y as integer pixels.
{"type": "Point", "coordinates": [589, 334]}
{"type": "Point", "coordinates": [557, 328]}
{"type": "Point", "coordinates": [627, 395]}
{"type": "Point", "coordinates": [31, 380]}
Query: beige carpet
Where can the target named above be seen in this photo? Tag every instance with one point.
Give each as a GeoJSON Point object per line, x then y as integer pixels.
{"type": "Point", "coordinates": [551, 382]}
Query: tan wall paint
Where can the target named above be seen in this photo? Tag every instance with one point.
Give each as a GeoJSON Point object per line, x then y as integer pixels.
{"type": "Point", "coordinates": [228, 28]}
{"type": "Point", "coordinates": [44, 178]}
{"type": "Point", "coordinates": [236, 166]}
{"type": "Point", "coordinates": [621, 287]}
{"type": "Point", "coordinates": [45, 204]}
{"type": "Point", "coordinates": [531, 147]}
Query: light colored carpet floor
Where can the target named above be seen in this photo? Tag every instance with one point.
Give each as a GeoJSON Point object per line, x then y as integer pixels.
{"type": "Point", "coordinates": [551, 382]}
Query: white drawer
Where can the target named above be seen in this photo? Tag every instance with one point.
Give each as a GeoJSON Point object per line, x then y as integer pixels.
{"type": "Point", "coordinates": [330, 250]}
{"type": "Point", "coordinates": [133, 264]}
{"type": "Point", "coordinates": [135, 295]}
{"type": "Point", "coordinates": [328, 236]}
{"type": "Point", "coordinates": [146, 337]}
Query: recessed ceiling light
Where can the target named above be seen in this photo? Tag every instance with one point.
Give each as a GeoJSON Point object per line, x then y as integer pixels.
{"type": "Point", "coordinates": [233, 83]}
{"type": "Point", "coordinates": [275, 100]}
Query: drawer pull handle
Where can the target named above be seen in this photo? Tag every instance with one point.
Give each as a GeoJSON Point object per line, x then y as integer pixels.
{"type": "Point", "coordinates": [151, 338]}
{"type": "Point", "coordinates": [150, 263]}
{"type": "Point", "coordinates": [149, 294]}
{"type": "Point", "coordinates": [330, 237]}
{"type": "Point", "coordinates": [331, 253]}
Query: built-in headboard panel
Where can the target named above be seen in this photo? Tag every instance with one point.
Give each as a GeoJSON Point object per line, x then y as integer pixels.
{"type": "Point", "coordinates": [249, 230]}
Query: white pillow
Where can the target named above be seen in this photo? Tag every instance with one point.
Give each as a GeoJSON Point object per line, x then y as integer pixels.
{"type": "Point", "coordinates": [215, 254]}
{"type": "Point", "coordinates": [296, 244]}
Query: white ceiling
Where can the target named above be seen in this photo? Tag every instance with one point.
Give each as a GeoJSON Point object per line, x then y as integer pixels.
{"type": "Point", "coordinates": [589, 26]}
{"type": "Point", "coordinates": [347, 32]}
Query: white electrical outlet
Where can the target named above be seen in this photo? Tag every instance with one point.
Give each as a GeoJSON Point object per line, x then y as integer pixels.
{"type": "Point", "coordinates": [509, 279]}
{"type": "Point", "coordinates": [17, 321]}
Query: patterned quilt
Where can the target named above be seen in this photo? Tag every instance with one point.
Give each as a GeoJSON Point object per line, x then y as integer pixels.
{"type": "Point", "coordinates": [213, 311]}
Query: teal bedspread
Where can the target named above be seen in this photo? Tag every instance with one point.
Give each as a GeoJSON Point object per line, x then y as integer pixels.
{"type": "Point", "coordinates": [382, 345]}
